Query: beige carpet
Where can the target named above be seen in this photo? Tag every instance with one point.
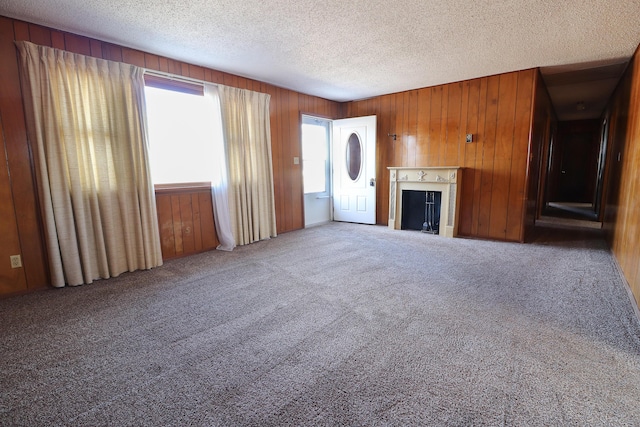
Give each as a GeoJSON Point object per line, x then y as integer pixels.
{"type": "Point", "coordinates": [341, 324]}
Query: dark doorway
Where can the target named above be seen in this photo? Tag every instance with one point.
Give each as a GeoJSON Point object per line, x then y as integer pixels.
{"type": "Point", "coordinates": [573, 170]}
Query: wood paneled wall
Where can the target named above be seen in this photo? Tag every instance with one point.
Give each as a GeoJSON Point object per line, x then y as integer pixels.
{"type": "Point", "coordinates": [622, 207]}
{"type": "Point", "coordinates": [9, 277]}
{"type": "Point", "coordinates": [186, 221]}
{"type": "Point", "coordinates": [431, 126]}
{"type": "Point", "coordinates": [286, 108]}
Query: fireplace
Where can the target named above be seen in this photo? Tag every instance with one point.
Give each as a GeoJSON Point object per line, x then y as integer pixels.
{"type": "Point", "coordinates": [424, 199]}
{"type": "Point", "coordinates": [421, 211]}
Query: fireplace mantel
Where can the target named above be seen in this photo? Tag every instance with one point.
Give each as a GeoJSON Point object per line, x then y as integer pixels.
{"type": "Point", "coordinates": [443, 179]}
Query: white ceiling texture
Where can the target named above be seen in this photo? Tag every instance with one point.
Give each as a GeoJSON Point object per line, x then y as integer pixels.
{"type": "Point", "coordinates": [348, 50]}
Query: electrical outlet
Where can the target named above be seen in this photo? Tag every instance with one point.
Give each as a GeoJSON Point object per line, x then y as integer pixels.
{"type": "Point", "coordinates": [16, 261]}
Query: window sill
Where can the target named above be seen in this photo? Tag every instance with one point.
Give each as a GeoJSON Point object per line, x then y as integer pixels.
{"type": "Point", "coordinates": [183, 187]}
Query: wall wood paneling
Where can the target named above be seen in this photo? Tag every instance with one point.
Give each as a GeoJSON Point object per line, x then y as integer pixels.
{"type": "Point", "coordinates": [431, 125]}
{"type": "Point", "coordinates": [20, 205]}
{"type": "Point", "coordinates": [11, 279]}
{"type": "Point", "coordinates": [622, 207]}
{"type": "Point", "coordinates": [185, 220]}
{"type": "Point", "coordinates": [24, 202]}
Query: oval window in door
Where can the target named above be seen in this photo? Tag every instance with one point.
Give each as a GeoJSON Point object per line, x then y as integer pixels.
{"type": "Point", "coordinates": [354, 156]}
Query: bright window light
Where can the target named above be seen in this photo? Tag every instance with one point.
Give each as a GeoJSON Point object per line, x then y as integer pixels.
{"type": "Point", "coordinates": [314, 158]}
{"type": "Point", "coordinates": [181, 136]}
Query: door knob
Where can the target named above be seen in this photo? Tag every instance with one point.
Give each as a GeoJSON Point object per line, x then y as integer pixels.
{"type": "Point", "coordinates": [372, 182]}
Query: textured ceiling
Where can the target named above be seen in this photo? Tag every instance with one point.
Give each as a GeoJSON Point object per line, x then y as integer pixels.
{"type": "Point", "coordinates": [348, 50]}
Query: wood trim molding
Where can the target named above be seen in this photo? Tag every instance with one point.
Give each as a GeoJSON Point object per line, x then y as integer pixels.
{"type": "Point", "coordinates": [182, 188]}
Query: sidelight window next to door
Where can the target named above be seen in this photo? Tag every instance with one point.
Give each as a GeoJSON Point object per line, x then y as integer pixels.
{"type": "Point", "coordinates": [316, 170]}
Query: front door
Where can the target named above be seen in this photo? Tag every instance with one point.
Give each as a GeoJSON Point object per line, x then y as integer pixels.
{"type": "Point", "coordinates": [354, 170]}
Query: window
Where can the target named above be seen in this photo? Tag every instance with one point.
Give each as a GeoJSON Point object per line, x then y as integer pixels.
{"type": "Point", "coordinates": [315, 155]}
{"type": "Point", "coordinates": [181, 134]}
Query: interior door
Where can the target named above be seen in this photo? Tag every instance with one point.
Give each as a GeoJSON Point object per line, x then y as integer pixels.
{"type": "Point", "coordinates": [579, 145]}
{"type": "Point", "coordinates": [354, 170]}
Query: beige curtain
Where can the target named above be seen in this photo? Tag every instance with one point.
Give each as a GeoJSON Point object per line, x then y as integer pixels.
{"type": "Point", "coordinates": [247, 135]}
{"type": "Point", "coordinates": [87, 129]}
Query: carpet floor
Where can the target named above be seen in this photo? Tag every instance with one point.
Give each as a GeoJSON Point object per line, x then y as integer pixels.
{"type": "Point", "coordinates": [341, 324]}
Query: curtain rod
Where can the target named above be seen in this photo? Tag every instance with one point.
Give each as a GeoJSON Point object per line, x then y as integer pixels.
{"type": "Point", "coordinates": [176, 77]}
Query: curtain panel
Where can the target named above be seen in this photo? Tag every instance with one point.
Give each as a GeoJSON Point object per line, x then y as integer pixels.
{"type": "Point", "coordinates": [247, 134]}
{"type": "Point", "coordinates": [86, 120]}
{"type": "Point", "coordinates": [220, 177]}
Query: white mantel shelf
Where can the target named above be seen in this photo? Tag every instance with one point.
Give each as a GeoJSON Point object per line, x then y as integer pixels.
{"type": "Point", "coordinates": [442, 178]}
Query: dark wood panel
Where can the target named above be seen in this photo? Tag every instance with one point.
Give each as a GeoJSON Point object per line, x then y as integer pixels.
{"type": "Point", "coordinates": [488, 155]}
{"type": "Point", "coordinates": [57, 39]}
{"type": "Point", "coordinates": [403, 152]}
{"type": "Point", "coordinates": [39, 35]}
{"type": "Point", "coordinates": [422, 126]}
{"type": "Point", "coordinates": [197, 222]}
{"type": "Point", "coordinates": [186, 223]}
{"type": "Point", "coordinates": [622, 207]}
{"type": "Point", "coordinates": [176, 217]}
{"type": "Point", "coordinates": [398, 129]}
{"type": "Point", "coordinates": [12, 280]}
{"type": "Point", "coordinates": [165, 225]}
{"type": "Point", "coordinates": [469, 163]}
{"type": "Point", "coordinates": [77, 44]}
{"type": "Point", "coordinates": [296, 169]}
{"type": "Point", "coordinates": [21, 29]}
{"type": "Point", "coordinates": [411, 130]}
{"type": "Point", "coordinates": [112, 52]}
{"type": "Point", "coordinates": [163, 64]}
{"type": "Point", "coordinates": [477, 183]}
{"type": "Point", "coordinates": [278, 159]}
{"type": "Point", "coordinates": [286, 154]}
{"type": "Point", "coordinates": [19, 158]}
{"type": "Point", "coordinates": [207, 224]}
{"type": "Point", "coordinates": [442, 143]}
{"type": "Point", "coordinates": [463, 126]}
{"type": "Point", "coordinates": [134, 57]}
{"type": "Point", "coordinates": [96, 48]}
{"type": "Point", "coordinates": [384, 157]}
{"type": "Point", "coordinates": [434, 127]}
{"type": "Point", "coordinates": [519, 161]}
{"type": "Point", "coordinates": [151, 61]}
{"type": "Point", "coordinates": [453, 122]}
{"type": "Point", "coordinates": [196, 72]}
{"type": "Point", "coordinates": [174, 67]}
{"type": "Point", "coordinates": [502, 155]}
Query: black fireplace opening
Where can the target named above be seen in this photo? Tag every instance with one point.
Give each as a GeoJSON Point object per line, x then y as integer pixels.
{"type": "Point", "coordinates": [421, 211]}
